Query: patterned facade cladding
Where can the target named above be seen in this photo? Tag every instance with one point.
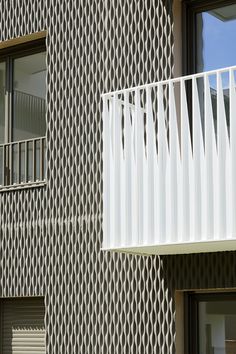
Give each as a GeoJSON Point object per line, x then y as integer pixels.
{"type": "Point", "coordinates": [96, 302]}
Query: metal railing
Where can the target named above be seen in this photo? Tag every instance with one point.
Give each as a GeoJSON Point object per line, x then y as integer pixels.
{"type": "Point", "coordinates": [170, 161]}
{"type": "Point", "coordinates": [22, 162]}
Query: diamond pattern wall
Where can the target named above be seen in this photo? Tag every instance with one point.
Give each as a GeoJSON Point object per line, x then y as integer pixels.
{"type": "Point", "coordinates": [50, 237]}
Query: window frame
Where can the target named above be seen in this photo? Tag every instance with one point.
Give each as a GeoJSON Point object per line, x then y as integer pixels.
{"type": "Point", "coordinates": [190, 8]}
{"type": "Point", "coordinates": [8, 55]}
{"type": "Point", "coordinates": [191, 318]}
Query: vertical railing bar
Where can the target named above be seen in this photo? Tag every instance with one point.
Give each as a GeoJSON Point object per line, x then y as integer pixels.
{"type": "Point", "coordinates": [4, 165]}
{"type": "Point", "coordinates": [186, 153]}
{"type": "Point", "coordinates": [116, 177]}
{"type": "Point", "coordinates": [106, 174]}
{"type": "Point", "coordinates": [151, 164]}
{"type": "Point", "coordinates": [232, 148]}
{"type": "Point", "coordinates": [222, 150]}
{"type": "Point", "coordinates": [218, 110]}
{"type": "Point", "coordinates": [34, 164]}
{"type": "Point", "coordinates": [41, 159]}
{"type": "Point", "coordinates": [19, 163]}
{"type": "Point", "coordinates": [197, 158]}
{"type": "Point", "coordinates": [26, 161]}
{"type": "Point", "coordinates": [10, 149]}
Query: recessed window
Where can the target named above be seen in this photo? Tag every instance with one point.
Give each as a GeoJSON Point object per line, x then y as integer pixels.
{"type": "Point", "coordinates": [22, 326]}
{"type": "Point", "coordinates": [216, 47]}
{"type": "Point", "coordinates": [22, 114]}
{"type": "Point", "coordinates": [211, 28]}
{"type": "Point", "coordinates": [211, 323]}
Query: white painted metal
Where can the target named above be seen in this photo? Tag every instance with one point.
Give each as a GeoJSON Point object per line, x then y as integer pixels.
{"type": "Point", "coordinates": [170, 165]}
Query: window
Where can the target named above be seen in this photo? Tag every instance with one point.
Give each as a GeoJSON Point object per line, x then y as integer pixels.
{"type": "Point", "coordinates": [211, 323]}
{"type": "Point", "coordinates": [210, 29]}
{"type": "Point", "coordinates": [210, 35]}
{"type": "Point", "coordinates": [22, 113]}
{"type": "Point", "coordinates": [22, 326]}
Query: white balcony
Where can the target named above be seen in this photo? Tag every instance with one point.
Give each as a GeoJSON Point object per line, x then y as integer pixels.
{"type": "Point", "coordinates": [170, 166]}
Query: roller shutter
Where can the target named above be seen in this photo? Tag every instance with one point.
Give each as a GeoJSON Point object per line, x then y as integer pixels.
{"type": "Point", "coordinates": [22, 326]}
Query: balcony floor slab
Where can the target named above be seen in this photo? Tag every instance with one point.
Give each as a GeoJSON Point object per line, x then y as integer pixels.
{"type": "Point", "coordinates": [179, 248]}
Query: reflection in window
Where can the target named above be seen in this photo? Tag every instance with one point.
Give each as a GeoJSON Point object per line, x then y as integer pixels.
{"type": "Point", "coordinates": [217, 327]}
{"type": "Point", "coordinates": [216, 45]}
{"type": "Point", "coordinates": [29, 83]}
{"type": "Point", "coordinates": [29, 97]}
{"type": "Point", "coordinates": [2, 101]}
{"type": "Point", "coordinates": [215, 49]}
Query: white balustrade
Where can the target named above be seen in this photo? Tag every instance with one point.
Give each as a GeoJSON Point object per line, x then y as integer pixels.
{"type": "Point", "coordinates": [170, 165]}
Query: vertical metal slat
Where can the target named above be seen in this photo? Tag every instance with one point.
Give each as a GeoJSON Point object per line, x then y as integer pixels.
{"type": "Point", "coordinates": [10, 149]}
{"type": "Point", "coordinates": [34, 160]}
{"type": "Point", "coordinates": [4, 165]}
{"type": "Point", "coordinates": [26, 161]}
{"type": "Point", "coordinates": [41, 160]}
{"type": "Point", "coordinates": [19, 163]}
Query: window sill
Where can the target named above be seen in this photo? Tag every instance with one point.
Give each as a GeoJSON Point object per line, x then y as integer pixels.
{"type": "Point", "coordinates": [21, 186]}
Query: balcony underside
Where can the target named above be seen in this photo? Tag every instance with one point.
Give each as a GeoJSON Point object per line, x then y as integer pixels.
{"type": "Point", "coordinates": [179, 248]}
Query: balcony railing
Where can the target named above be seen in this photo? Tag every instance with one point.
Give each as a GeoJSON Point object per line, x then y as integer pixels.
{"type": "Point", "coordinates": [22, 162]}
{"type": "Point", "coordinates": [170, 165]}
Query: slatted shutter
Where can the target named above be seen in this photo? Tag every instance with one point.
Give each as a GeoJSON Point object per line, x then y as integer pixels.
{"type": "Point", "coordinates": [22, 326]}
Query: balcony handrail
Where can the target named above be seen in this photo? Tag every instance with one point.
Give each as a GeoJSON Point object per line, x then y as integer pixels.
{"type": "Point", "coordinates": [23, 141]}
{"type": "Point", "coordinates": [167, 81]}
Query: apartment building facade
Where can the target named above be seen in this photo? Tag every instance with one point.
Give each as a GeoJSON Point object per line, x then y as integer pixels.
{"type": "Point", "coordinates": [103, 246]}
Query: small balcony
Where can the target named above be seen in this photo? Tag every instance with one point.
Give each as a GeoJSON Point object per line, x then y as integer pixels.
{"type": "Point", "coordinates": [22, 164]}
{"type": "Point", "coordinates": [170, 165]}
{"type": "Point", "coordinates": [22, 161]}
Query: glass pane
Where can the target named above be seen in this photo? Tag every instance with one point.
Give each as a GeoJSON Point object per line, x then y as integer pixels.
{"type": "Point", "coordinates": [217, 327]}
{"type": "Point", "coordinates": [216, 45]}
{"type": "Point", "coordinates": [29, 97]}
{"type": "Point", "coordinates": [2, 101]}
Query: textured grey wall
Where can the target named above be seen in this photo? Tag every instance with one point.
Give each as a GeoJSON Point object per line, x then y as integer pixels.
{"type": "Point", "coordinates": [50, 237]}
